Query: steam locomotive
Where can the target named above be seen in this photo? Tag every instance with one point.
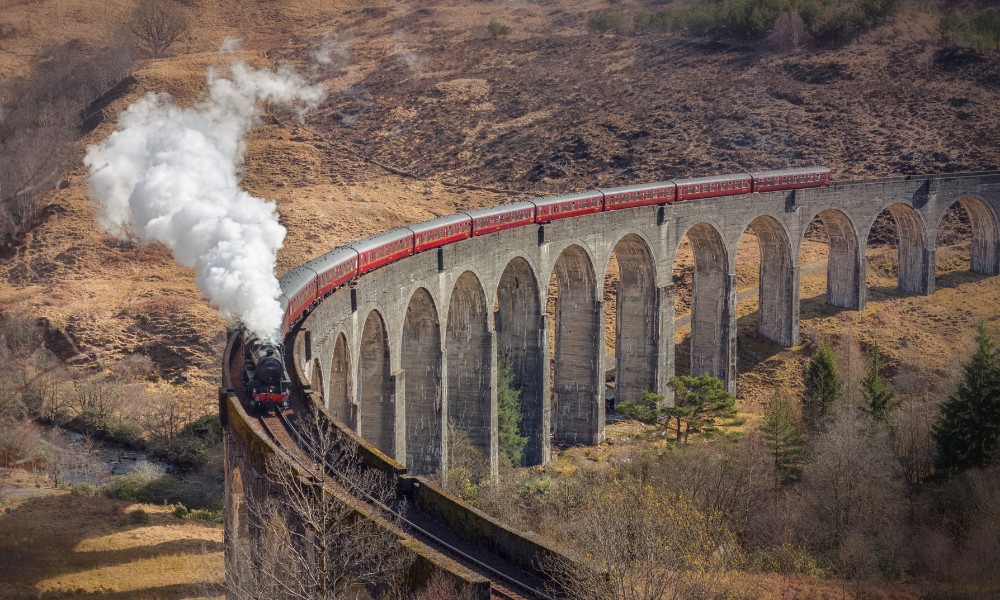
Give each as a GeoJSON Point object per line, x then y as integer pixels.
{"type": "Point", "coordinates": [267, 382]}
{"type": "Point", "coordinates": [307, 284]}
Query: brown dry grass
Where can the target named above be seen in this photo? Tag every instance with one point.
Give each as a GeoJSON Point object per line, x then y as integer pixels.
{"type": "Point", "coordinates": [61, 546]}
{"type": "Point", "coordinates": [427, 89]}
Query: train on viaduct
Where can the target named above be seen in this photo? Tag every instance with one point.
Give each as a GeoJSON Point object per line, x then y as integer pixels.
{"type": "Point", "coordinates": [410, 349]}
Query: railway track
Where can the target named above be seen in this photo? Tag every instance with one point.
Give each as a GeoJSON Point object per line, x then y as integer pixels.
{"type": "Point", "coordinates": [504, 585]}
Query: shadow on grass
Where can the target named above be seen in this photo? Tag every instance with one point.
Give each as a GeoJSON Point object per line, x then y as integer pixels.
{"type": "Point", "coordinates": [953, 279]}
{"type": "Point", "coordinates": [39, 543]}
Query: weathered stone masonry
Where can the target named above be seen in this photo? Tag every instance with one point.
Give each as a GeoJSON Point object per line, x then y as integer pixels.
{"type": "Point", "coordinates": [412, 347]}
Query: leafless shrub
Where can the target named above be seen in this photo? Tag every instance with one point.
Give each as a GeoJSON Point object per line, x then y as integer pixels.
{"type": "Point", "coordinates": [309, 542]}
{"type": "Point", "coordinates": [788, 34]}
{"type": "Point", "coordinates": [915, 447]}
{"type": "Point", "coordinates": [720, 477]}
{"type": "Point", "coordinates": [21, 446]}
{"type": "Point", "coordinates": [440, 588]}
{"type": "Point", "coordinates": [133, 367]}
{"type": "Point", "coordinates": [157, 25]}
{"type": "Point", "coordinates": [20, 334]}
{"type": "Point", "coordinates": [854, 488]}
{"type": "Point", "coordinates": [639, 543]}
{"type": "Point", "coordinates": [40, 117]}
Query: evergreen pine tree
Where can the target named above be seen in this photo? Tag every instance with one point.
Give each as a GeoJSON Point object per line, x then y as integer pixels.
{"type": "Point", "coordinates": [699, 400]}
{"type": "Point", "coordinates": [784, 440]}
{"type": "Point", "coordinates": [968, 430]}
{"type": "Point", "coordinates": [823, 386]}
{"type": "Point", "coordinates": [879, 399]}
{"type": "Point", "coordinates": [509, 436]}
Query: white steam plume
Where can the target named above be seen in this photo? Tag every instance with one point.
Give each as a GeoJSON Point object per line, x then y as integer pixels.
{"type": "Point", "coordinates": [169, 175]}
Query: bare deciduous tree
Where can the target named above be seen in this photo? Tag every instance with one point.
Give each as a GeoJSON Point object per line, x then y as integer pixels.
{"type": "Point", "coordinates": [639, 543]}
{"type": "Point", "coordinates": [157, 25]}
{"type": "Point", "coordinates": [307, 541]}
{"type": "Point", "coordinates": [41, 117]}
{"type": "Point", "coordinates": [854, 487]}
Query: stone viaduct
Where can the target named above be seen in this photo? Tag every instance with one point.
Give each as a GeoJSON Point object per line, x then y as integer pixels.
{"type": "Point", "coordinates": [413, 346]}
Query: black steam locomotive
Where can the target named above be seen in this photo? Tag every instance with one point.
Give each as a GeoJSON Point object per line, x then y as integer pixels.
{"type": "Point", "coordinates": [267, 382]}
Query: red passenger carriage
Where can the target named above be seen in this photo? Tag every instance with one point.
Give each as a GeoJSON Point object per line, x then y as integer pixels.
{"type": "Point", "coordinates": [440, 231]}
{"type": "Point", "coordinates": [663, 192]}
{"type": "Point", "coordinates": [770, 181]}
{"type": "Point", "coordinates": [710, 187]}
{"type": "Point", "coordinates": [384, 248]}
{"type": "Point", "coordinates": [569, 205]}
{"type": "Point", "coordinates": [505, 216]}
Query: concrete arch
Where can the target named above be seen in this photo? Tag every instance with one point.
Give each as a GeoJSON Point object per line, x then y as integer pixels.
{"type": "Point", "coordinates": [470, 356]}
{"type": "Point", "coordinates": [576, 248]}
{"type": "Point", "coordinates": [520, 333]}
{"type": "Point", "coordinates": [712, 305]}
{"type": "Point", "coordinates": [845, 268]}
{"type": "Point", "coordinates": [339, 401]}
{"type": "Point", "coordinates": [577, 381]}
{"type": "Point", "coordinates": [985, 247]}
{"type": "Point", "coordinates": [636, 316]}
{"type": "Point", "coordinates": [915, 274]}
{"type": "Point", "coordinates": [237, 521]}
{"type": "Point", "coordinates": [421, 363]}
{"type": "Point", "coordinates": [316, 381]}
{"type": "Point", "coordinates": [777, 318]}
{"type": "Point", "coordinates": [376, 416]}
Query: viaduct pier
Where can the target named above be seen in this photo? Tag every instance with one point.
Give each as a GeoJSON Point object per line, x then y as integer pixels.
{"type": "Point", "coordinates": [411, 349]}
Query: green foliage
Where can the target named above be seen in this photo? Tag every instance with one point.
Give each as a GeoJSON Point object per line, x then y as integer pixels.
{"type": "Point", "coordinates": [647, 410]}
{"type": "Point", "coordinates": [85, 490]}
{"type": "Point", "coordinates": [156, 489]}
{"type": "Point", "coordinates": [661, 21]}
{"type": "Point", "coordinates": [511, 441]}
{"type": "Point", "coordinates": [753, 20]}
{"type": "Point", "coordinates": [137, 517]}
{"type": "Point", "coordinates": [212, 515]}
{"type": "Point", "coordinates": [700, 400]}
{"type": "Point", "coordinates": [606, 20]}
{"type": "Point", "coordinates": [468, 465]}
{"type": "Point", "coordinates": [880, 400]}
{"type": "Point", "coordinates": [823, 386]}
{"type": "Point", "coordinates": [968, 429]}
{"type": "Point", "coordinates": [180, 511]}
{"type": "Point", "coordinates": [976, 28]}
{"type": "Point", "coordinates": [497, 29]}
{"type": "Point", "coordinates": [784, 441]}
{"type": "Point", "coordinates": [191, 448]}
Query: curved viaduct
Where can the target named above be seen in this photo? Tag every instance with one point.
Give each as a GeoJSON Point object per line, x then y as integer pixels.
{"type": "Point", "coordinates": [414, 345]}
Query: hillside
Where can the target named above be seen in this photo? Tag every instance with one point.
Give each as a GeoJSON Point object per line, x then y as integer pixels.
{"type": "Point", "coordinates": [548, 108]}
{"type": "Point", "coordinates": [429, 113]}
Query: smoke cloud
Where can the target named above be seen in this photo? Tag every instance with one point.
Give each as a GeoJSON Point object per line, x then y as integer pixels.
{"type": "Point", "coordinates": [170, 175]}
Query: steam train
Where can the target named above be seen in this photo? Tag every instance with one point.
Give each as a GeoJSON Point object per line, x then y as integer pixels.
{"type": "Point", "coordinates": [307, 284]}
{"type": "Point", "coordinates": [267, 382]}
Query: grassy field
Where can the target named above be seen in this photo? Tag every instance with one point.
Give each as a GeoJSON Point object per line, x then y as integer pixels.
{"type": "Point", "coordinates": [57, 545]}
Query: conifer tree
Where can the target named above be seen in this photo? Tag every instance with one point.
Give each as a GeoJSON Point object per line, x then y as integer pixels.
{"type": "Point", "coordinates": [509, 436]}
{"type": "Point", "coordinates": [823, 386]}
{"type": "Point", "coordinates": [879, 399]}
{"type": "Point", "coordinates": [968, 430]}
{"type": "Point", "coordinates": [699, 400]}
{"type": "Point", "coordinates": [784, 440]}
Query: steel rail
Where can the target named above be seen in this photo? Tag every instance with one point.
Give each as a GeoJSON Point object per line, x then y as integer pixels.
{"type": "Point", "coordinates": [355, 490]}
